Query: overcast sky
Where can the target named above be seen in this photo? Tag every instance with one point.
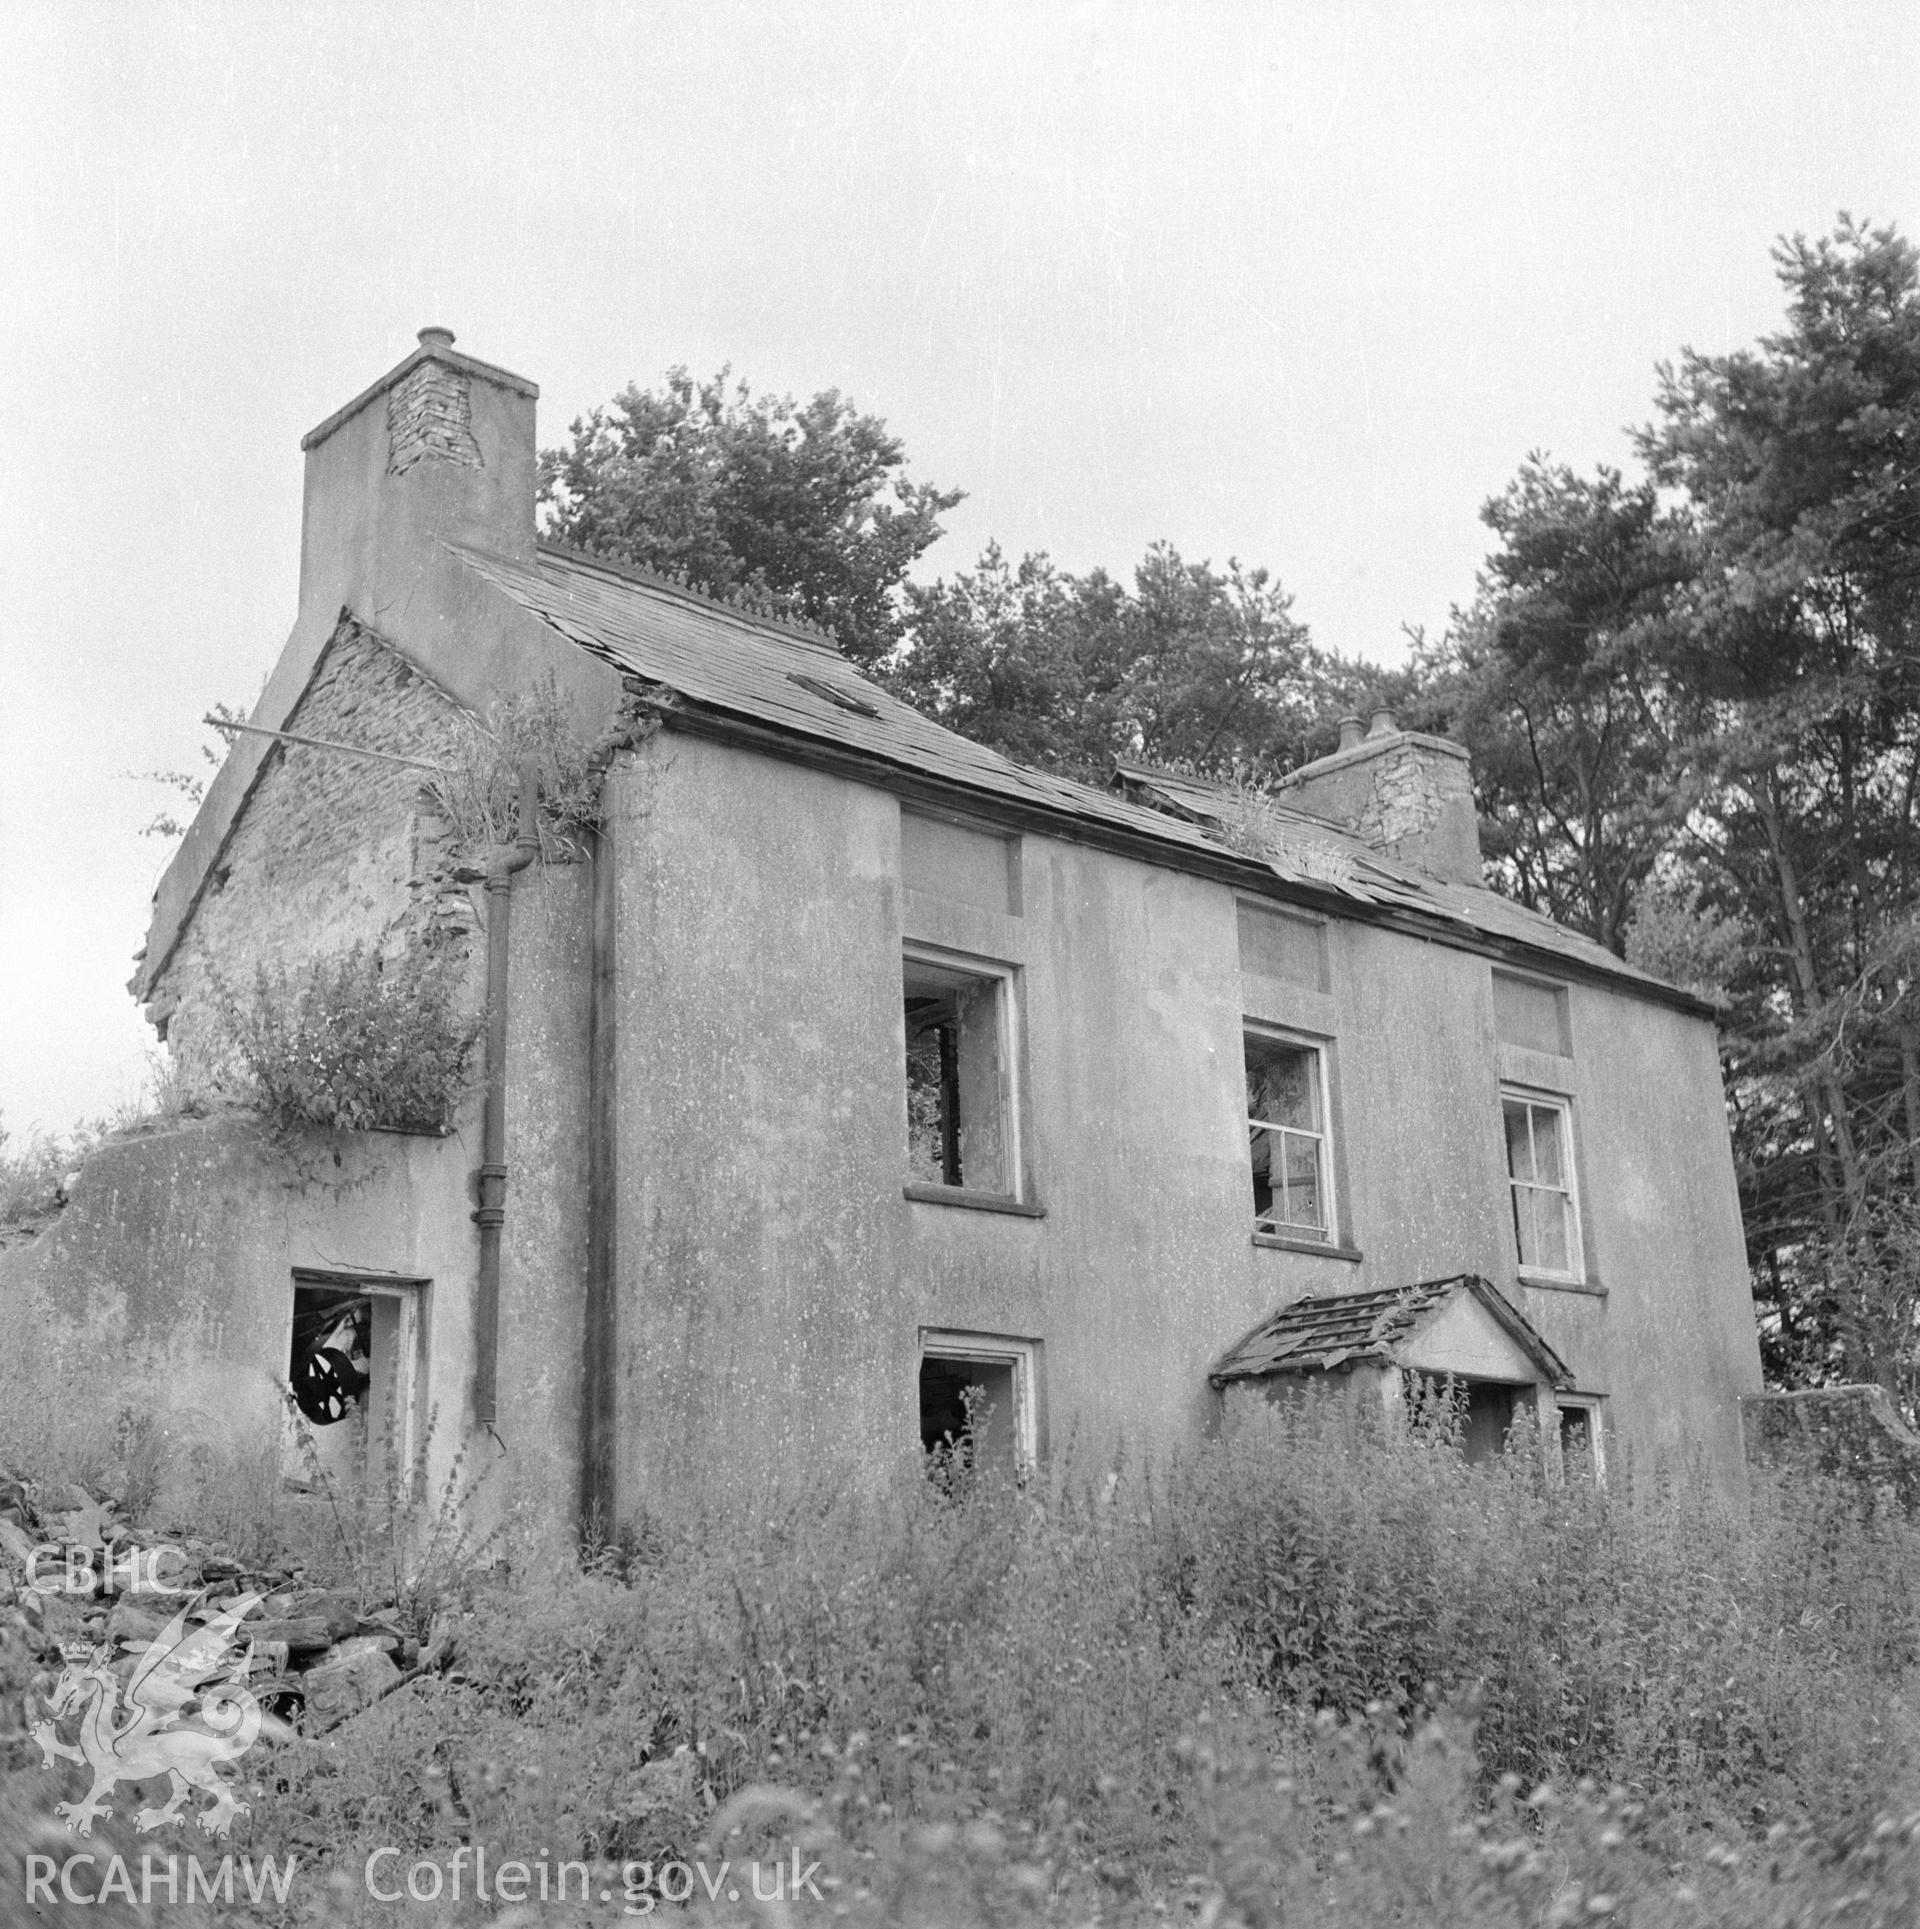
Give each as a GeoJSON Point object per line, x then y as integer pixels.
{"type": "Point", "coordinates": [1299, 284]}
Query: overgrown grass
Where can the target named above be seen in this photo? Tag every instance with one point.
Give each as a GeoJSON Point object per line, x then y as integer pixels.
{"type": "Point", "coordinates": [31, 1168]}
{"type": "Point", "coordinates": [1735, 1660]}
{"type": "Point", "coordinates": [35, 1165]}
{"type": "Point", "coordinates": [1314, 1672]}
{"type": "Point", "coordinates": [1336, 1663]}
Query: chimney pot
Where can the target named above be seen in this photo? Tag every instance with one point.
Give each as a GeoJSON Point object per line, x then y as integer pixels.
{"type": "Point", "coordinates": [1382, 723]}
{"type": "Point", "coordinates": [1352, 732]}
{"type": "Point", "coordinates": [436, 338]}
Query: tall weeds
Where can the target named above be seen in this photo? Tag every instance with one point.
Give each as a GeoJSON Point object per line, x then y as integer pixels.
{"type": "Point", "coordinates": [1311, 1672]}
{"type": "Point", "coordinates": [1141, 1681]}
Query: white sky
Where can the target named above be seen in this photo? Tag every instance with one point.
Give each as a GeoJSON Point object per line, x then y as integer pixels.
{"type": "Point", "coordinates": [1297, 283]}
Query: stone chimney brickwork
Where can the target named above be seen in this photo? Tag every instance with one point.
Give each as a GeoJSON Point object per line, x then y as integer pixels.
{"type": "Point", "coordinates": [1407, 794]}
{"type": "Point", "coordinates": [430, 415]}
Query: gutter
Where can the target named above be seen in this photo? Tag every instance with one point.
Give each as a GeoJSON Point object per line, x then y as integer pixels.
{"type": "Point", "coordinates": [504, 862]}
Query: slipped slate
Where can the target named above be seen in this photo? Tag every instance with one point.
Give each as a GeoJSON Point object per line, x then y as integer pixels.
{"type": "Point", "coordinates": [1329, 1331]}
{"type": "Point", "coordinates": [728, 660]}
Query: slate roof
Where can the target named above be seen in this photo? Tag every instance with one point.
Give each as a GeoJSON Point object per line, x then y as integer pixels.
{"type": "Point", "coordinates": [725, 662]}
{"type": "Point", "coordinates": [1324, 1333]}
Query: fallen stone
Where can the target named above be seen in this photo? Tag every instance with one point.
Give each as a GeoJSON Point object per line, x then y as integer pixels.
{"type": "Point", "coordinates": [83, 1526]}
{"type": "Point", "coordinates": [270, 1658]}
{"type": "Point", "coordinates": [668, 1783]}
{"type": "Point", "coordinates": [15, 1545]}
{"type": "Point", "coordinates": [309, 1635]}
{"type": "Point", "coordinates": [349, 1679]}
{"type": "Point", "coordinates": [130, 1623]}
{"type": "Point", "coordinates": [375, 1643]}
{"type": "Point", "coordinates": [309, 1603]}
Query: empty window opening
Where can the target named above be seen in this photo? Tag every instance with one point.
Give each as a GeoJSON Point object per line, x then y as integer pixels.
{"type": "Point", "coordinates": [1540, 1175]}
{"type": "Point", "coordinates": [977, 1402]}
{"type": "Point", "coordinates": [1581, 1454]}
{"type": "Point", "coordinates": [352, 1364]}
{"type": "Point", "coordinates": [1287, 1137]}
{"type": "Point", "coordinates": [330, 1366]}
{"type": "Point", "coordinates": [959, 1090]}
{"type": "Point", "coordinates": [966, 1408]}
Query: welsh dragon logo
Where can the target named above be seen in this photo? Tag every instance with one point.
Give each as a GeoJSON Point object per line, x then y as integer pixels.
{"type": "Point", "coordinates": [184, 1711]}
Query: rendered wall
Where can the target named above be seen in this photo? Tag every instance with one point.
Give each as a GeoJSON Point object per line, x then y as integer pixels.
{"type": "Point", "coordinates": [170, 1273]}
{"type": "Point", "coordinates": [774, 1280]}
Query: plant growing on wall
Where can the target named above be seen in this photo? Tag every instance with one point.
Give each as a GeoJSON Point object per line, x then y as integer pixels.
{"type": "Point", "coordinates": [357, 1041]}
{"type": "Point", "coordinates": [478, 791]}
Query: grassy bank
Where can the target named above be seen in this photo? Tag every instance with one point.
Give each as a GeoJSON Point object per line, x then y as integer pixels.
{"type": "Point", "coordinates": [1316, 1675]}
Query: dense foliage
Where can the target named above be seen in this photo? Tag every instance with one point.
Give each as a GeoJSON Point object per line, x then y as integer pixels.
{"type": "Point", "coordinates": [359, 1041]}
{"type": "Point", "coordinates": [1326, 1674]}
{"type": "Point", "coordinates": [1692, 699]}
{"type": "Point", "coordinates": [1694, 705]}
{"type": "Point", "coordinates": [804, 507]}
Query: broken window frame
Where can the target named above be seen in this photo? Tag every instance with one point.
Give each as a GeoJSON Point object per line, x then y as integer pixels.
{"type": "Point", "coordinates": [999, 981]}
{"type": "Point", "coordinates": [1316, 1049]}
{"type": "Point", "coordinates": [1588, 1407]}
{"type": "Point", "coordinates": [998, 1350]}
{"type": "Point", "coordinates": [1535, 1189]}
{"type": "Point", "coordinates": [400, 1307]}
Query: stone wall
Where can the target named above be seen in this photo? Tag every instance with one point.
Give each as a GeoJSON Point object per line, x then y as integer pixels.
{"type": "Point", "coordinates": [1850, 1430]}
{"type": "Point", "coordinates": [1407, 794]}
{"type": "Point", "coordinates": [330, 850]}
{"type": "Point", "coordinates": [430, 416]}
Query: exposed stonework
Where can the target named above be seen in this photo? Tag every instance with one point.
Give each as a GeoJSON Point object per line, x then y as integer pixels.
{"type": "Point", "coordinates": [1850, 1430]}
{"type": "Point", "coordinates": [330, 850]}
{"type": "Point", "coordinates": [429, 417]}
{"type": "Point", "coordinates": [1406, 793]}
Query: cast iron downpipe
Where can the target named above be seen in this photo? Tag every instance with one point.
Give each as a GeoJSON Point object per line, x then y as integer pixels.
{"type": "Point", "coordinates": [502, 863]}
{"type": "Point", "coordinates": [601, 1331]}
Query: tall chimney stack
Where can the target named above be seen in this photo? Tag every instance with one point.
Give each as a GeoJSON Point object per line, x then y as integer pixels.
{"type": "Point", "coordinates": [440, 449]}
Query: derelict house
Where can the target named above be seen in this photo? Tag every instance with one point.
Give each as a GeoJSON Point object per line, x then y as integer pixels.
{"type": "Point", "coordinates": [849, 1065]}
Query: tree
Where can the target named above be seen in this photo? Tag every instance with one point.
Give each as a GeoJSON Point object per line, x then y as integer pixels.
{"type": "Point", "coordinates": [1551, 679]}
{"type": "Point", "coordinates": [1694, 707]}
{"type": "Point", "coordinates": [1798, 648]}
{"type": "Point", "coordinates": [805, 507]}
{"type": "Point", "coordinates": [1194, 666]}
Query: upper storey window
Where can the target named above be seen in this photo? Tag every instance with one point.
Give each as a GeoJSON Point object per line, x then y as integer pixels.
{"type": "Point", "coordinates": [1287, 1137]}
{"type": "Point", "coordinates": [962, 1126]}
{"type": "Point", "coordinates": [1546, 1215]}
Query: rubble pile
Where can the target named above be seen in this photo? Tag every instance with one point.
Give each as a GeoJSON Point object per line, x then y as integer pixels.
{"type": "Point", "coordinates": [74, 1575]}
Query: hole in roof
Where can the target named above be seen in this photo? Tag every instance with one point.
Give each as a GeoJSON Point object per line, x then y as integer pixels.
{"type": "Point", "coordinates": [841, 699]}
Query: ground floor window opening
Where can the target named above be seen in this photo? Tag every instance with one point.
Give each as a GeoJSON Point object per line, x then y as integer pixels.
{"type": "Point", "coordinates": [977, 1403]}
{"type": "Point", "coordinates": [354, 1362]}
{"type": "Point", "coordinates": [1582, 1451]}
